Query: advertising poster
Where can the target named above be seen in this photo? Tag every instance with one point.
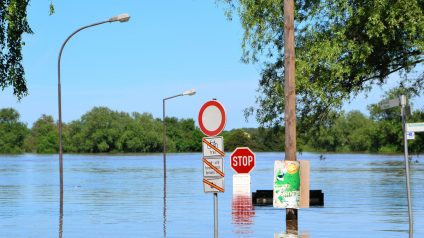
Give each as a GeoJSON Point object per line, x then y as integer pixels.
{"type": "Point", "coordinates": [286, 184]}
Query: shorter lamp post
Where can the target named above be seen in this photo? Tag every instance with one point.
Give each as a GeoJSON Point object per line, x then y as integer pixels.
{"type": "Point", "coordinates": [185, 93]}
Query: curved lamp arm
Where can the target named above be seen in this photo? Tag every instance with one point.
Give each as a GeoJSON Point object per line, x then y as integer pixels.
{"type": "Point", "coordinates": [121, 18]}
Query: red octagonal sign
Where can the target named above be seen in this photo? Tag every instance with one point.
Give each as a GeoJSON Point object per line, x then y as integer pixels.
{"type": "Point", "coordinates": [242, 160]}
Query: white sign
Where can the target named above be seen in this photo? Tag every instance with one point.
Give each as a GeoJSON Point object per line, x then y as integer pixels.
{"type": "Point", "coordinates": [213, 185]}
{"type": "Point", "coordinates": [213, 167]}
{"type": "Point", "coordinates": [212, 118]}
{"type": "Point", "coordinates": [410, 135]}
{"type": "Point", "coordinates": [389, 103]}
{"type": "Point", "coordinates": [241, 184]}
{"type": "Point", "coordinates": [213, 146]}
{"type": "Point", "coordinates": [416, 127]}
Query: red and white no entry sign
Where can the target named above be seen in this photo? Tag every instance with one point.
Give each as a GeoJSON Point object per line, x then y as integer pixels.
{"type": "Point", "coordinates": [212, 118]}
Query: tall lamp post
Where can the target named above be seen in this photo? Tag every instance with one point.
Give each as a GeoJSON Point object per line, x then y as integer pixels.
{"type": "Point", "coordinates": [120, 18]}
{"type": "Point", "coordinates": [185, 93]}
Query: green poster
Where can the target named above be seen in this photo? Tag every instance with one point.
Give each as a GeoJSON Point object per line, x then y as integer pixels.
{"type": "Point", "coordinates": [286, 184]}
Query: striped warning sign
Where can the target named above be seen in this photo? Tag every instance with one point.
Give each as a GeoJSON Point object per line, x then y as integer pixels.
{"type": "Point", "coordinates": [213, 146]}
{"type": "Point", "coordinates": [213, 185]}
{"type": "Point", "coordinates": [213, 167]}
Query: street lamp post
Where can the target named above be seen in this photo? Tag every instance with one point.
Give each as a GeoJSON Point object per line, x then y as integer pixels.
{"type": "Point", "coordinates": [120, 18]}
{"type": "Point", "coordinates": [185, 93]}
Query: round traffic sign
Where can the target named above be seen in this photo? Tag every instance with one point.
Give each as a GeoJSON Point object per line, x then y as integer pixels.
{"type": "Point", "coordinates": [242, 160]}
{"type": "Point", "coordinates": [212, 118]}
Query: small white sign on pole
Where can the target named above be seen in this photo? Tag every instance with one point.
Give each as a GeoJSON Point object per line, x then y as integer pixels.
{"type": "Point", "coordinates": [213, 167]}
{"type": "Point", "coordinates": [213, 146]}
{"type": "Point", "coordinates": [415, 127]}
{"type": "Point", "coordinates": [241, 184]}
{"type": "Point", "coordinates": [389, 103]}
{"type": "Point", "coordinates": [410, 135]}
{"type": "Point", "coordinates": [213, 185]}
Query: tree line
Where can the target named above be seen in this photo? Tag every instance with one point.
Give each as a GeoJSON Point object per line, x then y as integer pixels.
{"type": "Point", "coordinates": [103, 130]}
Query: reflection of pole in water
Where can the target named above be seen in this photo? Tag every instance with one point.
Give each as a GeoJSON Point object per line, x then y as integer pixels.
{"type": "Point", "coordinates": [290, 235]}
{"type": "Point", "coordinates": [243, 213]}
{"type": "Point", "coordinates": [164, 206]}
{"type": "Point", "coordinates": [61, 215]}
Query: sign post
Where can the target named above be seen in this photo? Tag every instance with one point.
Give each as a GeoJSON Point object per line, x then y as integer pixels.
{"type": "Point", "coordinates": [242, 161]}
{"type": "Point", "coordinates": [212, 121]}
{"type": "Point", "coordinates": [406, 127]}
{"type": "Point", "coordinates": [405, 142]}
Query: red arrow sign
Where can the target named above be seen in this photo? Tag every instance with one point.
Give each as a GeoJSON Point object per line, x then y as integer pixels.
{"type": "Point", "coordinates": [242, 160]}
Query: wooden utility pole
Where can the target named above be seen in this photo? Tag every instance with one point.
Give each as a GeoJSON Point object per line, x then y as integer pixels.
{"type": "Point", "coordinates": [290, 100]}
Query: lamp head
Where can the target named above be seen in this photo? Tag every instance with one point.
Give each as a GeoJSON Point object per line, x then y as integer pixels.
{"type": "Point", "coordinates": [189, 92]}
{"type": "Point", "coordinates": [124, 17]}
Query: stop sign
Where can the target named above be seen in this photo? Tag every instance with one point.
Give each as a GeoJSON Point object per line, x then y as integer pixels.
{"type": "Point", "coordinates": [242, 160]}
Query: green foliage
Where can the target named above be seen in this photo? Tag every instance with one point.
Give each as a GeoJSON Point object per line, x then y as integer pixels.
{"type": "Point", "coordinates": [12, 132]}
{"type": "Point", "coordinates": [102, 130]}
{"type": "Point", "coordinates": [13, 24]}
{"type": "Point", "coordinates": [342, 48]}
{"type": "Point", "coordinates": [182, 135]}
{"type": "Point", "coordinates": [237, 138]}
{"type": "Point", "coordinates": [349, 132]}
{"type": "Point", "coordinates": [43, 137]}
{"type": "Point", "coordinates": [51, 8]}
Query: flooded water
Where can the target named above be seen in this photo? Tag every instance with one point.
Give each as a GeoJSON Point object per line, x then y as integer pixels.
{"type": "Point", "coordinates": [122, 196]}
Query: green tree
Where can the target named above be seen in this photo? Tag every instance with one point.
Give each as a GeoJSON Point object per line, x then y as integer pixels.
{"type": "Point", "coordinates": [43, 137]}
{"type": "Point", "coordinates": [342, 48]}
{"type": "Point", "coordinates": [182, 135]}
{"type": "Point", "coordinates": [103, 130]}
{"type": "Point", "coordinates": [146, 135]}
{"type": "Point", "coordinates": [237, 138]}
{"type": "Point", "coordinates": [360, 129]}
{"type": "Point", "coordinates": [12, 132]}
{"type": "Point", "coordinates": [13, 24]}
{"type": "Point", "coordinates": [388, 137]}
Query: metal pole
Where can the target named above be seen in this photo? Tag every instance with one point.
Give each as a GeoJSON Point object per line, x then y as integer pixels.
{"type": "Point", "coordinates": [215, 213]}
{"type": "Point", "coordinates": [290, 100]}
{"type": "Point", "coordinates": [164, 167]}
{"type": "Point", "coordinates": [61, 219]}
{"type": "Point", "coordinates": [405, 142]}
{"type": "Point", "coordinates": [59, 95]}
{"type": "Point", "coordinates": [164, 159]}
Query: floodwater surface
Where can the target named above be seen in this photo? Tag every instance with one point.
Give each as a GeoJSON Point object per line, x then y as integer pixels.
{"type": "Point", "coordinates": [123, 196]}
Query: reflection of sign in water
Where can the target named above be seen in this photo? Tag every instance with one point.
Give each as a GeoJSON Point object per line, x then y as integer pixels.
{"type": "Point", "coordinates": [288, 235]}
{"type": "Point", "coordinates": [243, 212]}
{"type": "Point", "coordinates": [286, 184]}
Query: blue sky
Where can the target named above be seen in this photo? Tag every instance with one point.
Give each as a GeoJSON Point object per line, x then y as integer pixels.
{"type": "Point", "coordinates": [167, 47]}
